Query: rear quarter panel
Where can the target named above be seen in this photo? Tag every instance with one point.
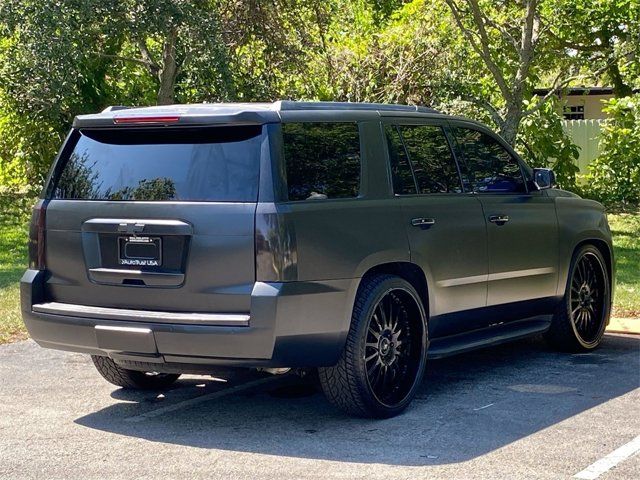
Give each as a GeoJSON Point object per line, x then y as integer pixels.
{"type": "Point", "coordinates": [336, 238]}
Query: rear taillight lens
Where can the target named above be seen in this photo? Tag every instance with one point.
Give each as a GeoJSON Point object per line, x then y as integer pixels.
{"type": "Point", "coordinates": [146, 119]}
{"type": "Point", "coordinates": [37, 236]}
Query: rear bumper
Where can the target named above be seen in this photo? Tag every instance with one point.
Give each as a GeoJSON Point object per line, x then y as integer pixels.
{"type": "Point", "coordinates": [293, 324]}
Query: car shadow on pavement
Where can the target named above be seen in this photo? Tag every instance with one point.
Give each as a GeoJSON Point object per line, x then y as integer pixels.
{"type": "Point", "coordinates": [467, 406]}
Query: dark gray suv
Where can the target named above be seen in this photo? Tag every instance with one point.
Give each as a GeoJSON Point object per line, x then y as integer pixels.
{"type": "Point", "coordinates": [358, 239]}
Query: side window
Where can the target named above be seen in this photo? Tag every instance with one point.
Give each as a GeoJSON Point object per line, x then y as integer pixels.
{"type": "Point", "coordinates": [322, 160]}
{"type": "Point", "coordinates": [489, 168]}
{"type": "Point", "coordinates": [430, 166]}
{"type": "Point", "coordinates": [433, 164]}
{"type": "Point", "coordinates": [403, 183]}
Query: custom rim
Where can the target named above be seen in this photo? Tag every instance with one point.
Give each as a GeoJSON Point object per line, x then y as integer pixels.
{"type": "Point", "coordinates": [588, 297]}
{"type": "Point", "coordinates": [394, 347]}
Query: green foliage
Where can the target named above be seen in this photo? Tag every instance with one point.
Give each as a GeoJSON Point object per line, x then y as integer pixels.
{"type": "Point", "coordinates": [14, 214]}
{"type": "Point", "coordinates": [27, 146]}
{"type": "Point", "coordinates": [625, 229]}
{"type": "Point", "coordinates": [61, 58]}
{"type": "Point", "coordinates": [603, 37]}
{"type": "Point", "coordinates": [543, 143]}
{"type": "Point", "coordinates": [369, 51]}
{"type": "Point", "coordinates": [614, 177]}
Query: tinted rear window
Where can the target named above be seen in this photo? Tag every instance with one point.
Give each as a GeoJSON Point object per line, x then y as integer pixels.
{"type": "Point", "coordinates": [322, 160]}
{"type": "Point", "coordinates": [151, 164]}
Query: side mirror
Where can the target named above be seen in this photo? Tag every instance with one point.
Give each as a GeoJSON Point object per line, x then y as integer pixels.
{"type": "Point", "coordinates": [544, 178]}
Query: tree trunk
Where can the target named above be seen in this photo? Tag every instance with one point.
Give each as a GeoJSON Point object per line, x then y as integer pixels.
{"type": "Point", "coordinates": [512, 119]}
{"type": "Point", "coordinates": [620, 89]}
{"type": "Point", "coordinates": [169, 71]}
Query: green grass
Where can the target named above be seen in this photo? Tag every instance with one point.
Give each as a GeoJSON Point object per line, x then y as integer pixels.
{"type": "Point", "coordinates": [13, 261]}
{"type": "Point", "coordinates": [625, 228]}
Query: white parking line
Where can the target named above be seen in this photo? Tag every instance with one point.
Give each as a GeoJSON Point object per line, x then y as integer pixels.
{"type": "Point", "coordinates": [482, 408]}
{"type": "Point", "coordinates": [596, 469]}
{"type": "Point", "coordinates": [197, 400]}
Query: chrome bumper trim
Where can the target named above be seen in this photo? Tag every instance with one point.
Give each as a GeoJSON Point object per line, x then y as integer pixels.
{"type": "Point", "coordinates": [105, 313]}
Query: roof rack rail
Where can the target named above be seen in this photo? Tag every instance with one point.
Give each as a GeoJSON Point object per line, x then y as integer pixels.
{"type": "Point", "coordinates": [115, 108]}
{"type": "Point", "coordinates": [296, 105]}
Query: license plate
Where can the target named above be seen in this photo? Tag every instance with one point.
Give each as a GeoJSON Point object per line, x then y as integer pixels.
{"type": "Point", "coordinates": [140, 251]}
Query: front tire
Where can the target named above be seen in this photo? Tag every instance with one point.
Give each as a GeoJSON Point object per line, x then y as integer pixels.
{"type": "Point", "coordinates": [581, 318]}
{"type": "Point", "coordinates": [384, 358]}
{"type": "Point", "coordinates": [132, 379]}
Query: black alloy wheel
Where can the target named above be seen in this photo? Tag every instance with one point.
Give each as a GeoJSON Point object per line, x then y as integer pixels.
{"type": "Point", "coordinates": [587, 297]}
{"type": "Point", "coordinates": [382, 364]}
{"type": "Point", "coordinates": [392, 350]}
{"type": "Point", "coordinates": [581, 318]}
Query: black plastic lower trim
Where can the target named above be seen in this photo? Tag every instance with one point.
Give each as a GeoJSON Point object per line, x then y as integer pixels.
{"type": "Point", "coordinates": [486, 337]}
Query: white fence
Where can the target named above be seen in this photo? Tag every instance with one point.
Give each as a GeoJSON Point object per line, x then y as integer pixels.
{"type": "Point", "coordinates": [586, 135]}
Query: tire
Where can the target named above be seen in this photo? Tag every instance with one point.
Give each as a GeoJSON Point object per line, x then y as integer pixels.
{"type": "Point", "coordinates": [378, 378]}
{"type": "Point", "coordinates": [132, 379]}
{"type": "Point", "coordinates": [580, 319]}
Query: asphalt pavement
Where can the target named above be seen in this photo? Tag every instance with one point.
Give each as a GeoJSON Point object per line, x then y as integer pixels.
{"type": "Point", "coordinates": [514, 411]}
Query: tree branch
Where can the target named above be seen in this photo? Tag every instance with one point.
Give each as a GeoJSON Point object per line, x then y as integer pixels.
{"type": "Point", "coordinates": [482, 48]}
{"type": "Point", "coordinates": [592, 47]}
{"type": "Point", "coordinates": [146, 55]}
{"type": "Point", "coordinates": [503, 31]}
{"type": "Point", "coordinates": [525, 52]}
{"type": "Point", "coordinates": [138, 61]}
{"type": "Point", "coordinates": [493, 112]}
{"type": "Point", "coordinates": [558, 85]}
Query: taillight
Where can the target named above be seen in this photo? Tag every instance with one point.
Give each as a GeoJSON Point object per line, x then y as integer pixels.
{"type": "Point", "coordinates": [122, 120]}
{"type": "Point", "coordinates": [37, 236]}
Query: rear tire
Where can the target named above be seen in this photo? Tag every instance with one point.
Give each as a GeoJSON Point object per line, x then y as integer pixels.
{"type": "Point", "coordinates": [580, 320]}
{"type": "Point", "coordinates": [383, 361]}
{"type": "Point", "coordinates": [132, 379]}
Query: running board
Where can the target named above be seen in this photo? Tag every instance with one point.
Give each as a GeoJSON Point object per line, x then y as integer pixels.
{"type": "Point", "coordinates": [486, 337]}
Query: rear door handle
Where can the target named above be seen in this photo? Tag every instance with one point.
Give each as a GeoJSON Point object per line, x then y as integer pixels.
{"type": "Point", "coordinates": [499, 219]}
{"type": "Point", "coordinates": [423, 222]}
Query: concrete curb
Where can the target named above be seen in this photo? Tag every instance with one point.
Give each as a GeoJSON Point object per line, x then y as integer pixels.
{"type": "Point", "coordinates": [624, 325]}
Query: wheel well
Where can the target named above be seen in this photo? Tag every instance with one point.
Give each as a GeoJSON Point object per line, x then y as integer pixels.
{"type": "Point", "coordinates": [410, 272]}
{"type": "Point", "coordinates": [603, 248]}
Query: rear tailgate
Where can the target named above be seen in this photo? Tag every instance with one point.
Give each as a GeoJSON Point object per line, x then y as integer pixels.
{"type": "Point", "coordinates": [157, 219]}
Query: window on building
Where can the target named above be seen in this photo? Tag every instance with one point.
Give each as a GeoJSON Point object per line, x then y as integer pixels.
{"type": "Point", "coordinates": [573, 112]}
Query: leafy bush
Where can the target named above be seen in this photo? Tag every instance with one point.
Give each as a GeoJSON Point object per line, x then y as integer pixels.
{"type": "Point", "coordinates": [27, 147]}
{"type": "Point", "coordinates": [543, 142]}
{"type": "Point", "coordinates": [614, 177]}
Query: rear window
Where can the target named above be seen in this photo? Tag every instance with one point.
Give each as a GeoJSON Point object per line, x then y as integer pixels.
{"type": "Point", "coordinates": [160, 164]}
{"type": "Point", "coordinates": [322, 160]}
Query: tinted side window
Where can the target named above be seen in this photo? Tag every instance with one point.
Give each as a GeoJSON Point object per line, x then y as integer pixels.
{"type": "Point", "coordinates": [322, 160]}
{"type": "Point", "coordinates": [489, 167]}
{"type": "Point", "coordinates": [403, 183]}
{"type": "Point", "coordinates": [433, 164]}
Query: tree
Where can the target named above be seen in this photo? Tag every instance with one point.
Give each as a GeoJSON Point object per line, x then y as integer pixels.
{"type": "Point", "coordinates": [170, 37]}
{"type": "Point", "coordinates": [55, 47]}
{"type": "Point", "coordinates": [602, 36]}
{"type": "Point", "coordinates": [509, 40]}
{"type": "Point", "coordinates": [614, 177]}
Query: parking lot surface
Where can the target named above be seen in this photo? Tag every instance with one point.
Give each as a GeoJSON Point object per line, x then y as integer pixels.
{"type": "Point", "coordinates": [514, 411]}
